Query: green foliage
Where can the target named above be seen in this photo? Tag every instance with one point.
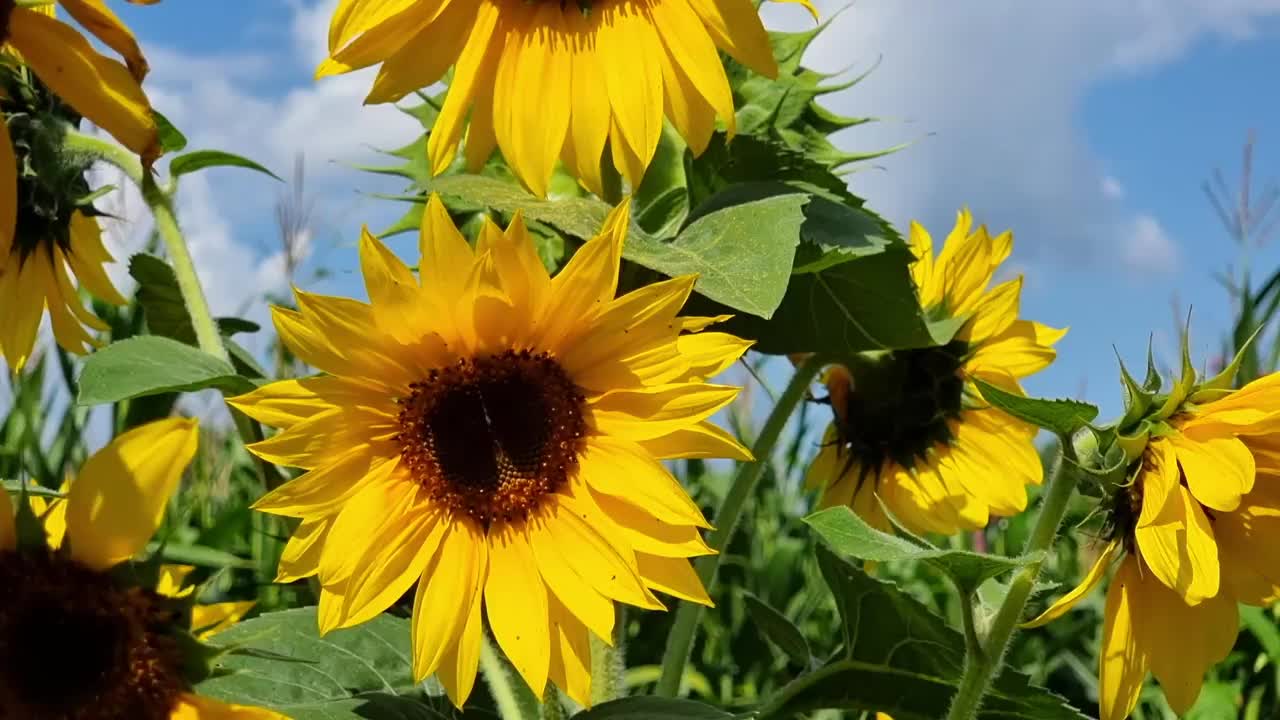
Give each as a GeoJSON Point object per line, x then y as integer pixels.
{"type": "Point", "coordinates": [361, 672]}
{"type": "Point", "coordinates": [1062, 417]}
{"type": "Point", "coordinates": [151, 365]}
{"type": "Point", "coordinates": [653, 708]}
{"type": "Point", "coordinates": [901, 659]}
{"type": "Point", "coordinates": [848, 535]}
{"type": "Point", "coordinates": [202, 159]}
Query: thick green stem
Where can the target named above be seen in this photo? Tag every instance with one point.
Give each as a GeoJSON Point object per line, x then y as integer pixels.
{"type": "Point", "coordinates": [161, 207]}
{"type": "Point", "coordinates": [499, 679]}
{"type": "Point", "coordinates": [981, 668]}
{"type": "Point", "coordinates": [680, 641]}
{"type": "Point", "coordinates": [608, 663]}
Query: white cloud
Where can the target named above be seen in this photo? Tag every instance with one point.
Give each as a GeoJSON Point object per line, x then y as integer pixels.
{"type": "Point", "coordinates": [1148, 249]}
{"type": "Point", "coordinates": [990, 91]}
{"type": "Point", "coordinates": [1112, 188]}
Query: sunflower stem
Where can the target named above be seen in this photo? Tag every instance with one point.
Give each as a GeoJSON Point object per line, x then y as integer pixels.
{"type": "Point", "coordinates": [500, 679]}
{"type": "Point", "coordinates": [166, 222]}
{"type": "Point", "coordinates": [608, 663]}
{"type": "Point", "coordinates": [982, 663]}
{"type": "Point", "coordinates": [161, 205]}
{"type": "Point", "coordinates": [680, 641]}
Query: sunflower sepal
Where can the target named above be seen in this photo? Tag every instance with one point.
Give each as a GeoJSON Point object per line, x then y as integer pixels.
{"type": "Point", "coordinates": [1138, 397]}
{"type": "Point", "coordinates": [1225, 380]}
{"type": "Point", "coordinates": [199, 659]}
{"type": "Point", "coordinates": [30, 529]}
{"type": "Point", "coordinates": [1182, 388]}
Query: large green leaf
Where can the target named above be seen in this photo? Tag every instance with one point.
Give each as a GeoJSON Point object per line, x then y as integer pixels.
{"type": "Point", "coordinates": [779, 630]}
{"type": "Point", "coordinates": [149, 365]}
{"type": "Point", "coordinates": [360, 672]}
{"type": "Point", "coordinates": [166, 312]}
{"type": "Point", "coordinates": [652, 708]}
{"type": "Point", "coordinates": [743, 252]}
{"type": "Point", "coordinates": [1063, 417]}
{"type": "Point", "coordinates": [203, 159]}
{"type": "Point", "coordinates": [901, 659]}
{"type": "Point", "coordinates": [850, 536]}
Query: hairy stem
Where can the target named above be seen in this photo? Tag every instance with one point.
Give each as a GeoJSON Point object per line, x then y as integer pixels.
{"type": "Point", "coordinates": [680, 641]}
{"type": "Point", "coordinates": [166, 222]}
{"type": "Point", "coordinates": [981, 667]}
{"type": "Point", "coordinates": [500, 680]}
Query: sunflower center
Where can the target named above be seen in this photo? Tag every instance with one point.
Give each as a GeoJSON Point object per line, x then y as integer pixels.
{"type": "Point", "coordinates": [901, 403]}
{"type": "Point", "coordinates": [6, 12]}
{"type": "Point", "coordinates": [490, 436]}
{"type": "Point", "coordinates": [75, 645]}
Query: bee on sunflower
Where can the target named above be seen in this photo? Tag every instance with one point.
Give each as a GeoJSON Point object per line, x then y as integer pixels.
{"type": "Point", "coordinates": [69, 583]}
{"type": "Point", "coordinates": [494, 435]}
{"type": "Point", "coordinates": [910, 429]}
{"type": "Point", "coordinates": [1194, 523]}
{"type": "Point", "coordinates": [51, 77]}
{"type": "Point", "coordinates": [553, 80]}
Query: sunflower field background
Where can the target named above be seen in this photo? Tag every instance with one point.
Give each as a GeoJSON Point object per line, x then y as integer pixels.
{"type": "Point", "coordinates": [656, 418]}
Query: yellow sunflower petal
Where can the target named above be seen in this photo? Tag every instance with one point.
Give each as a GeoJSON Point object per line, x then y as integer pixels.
{"type": "Point", "coordinates": [395, 559]}
{"type": "Point", "coordinates": [1179, 548]}
{"type": "Point", "coordinates": [736, 28]}
{"type": "Point", "coordinates": [673, 576]}
{"type": "Point", "coordinates": [1182, 641]}
{"type": "Point", "coordinates": [598, 562]}
{"type": "Point", "coordinates": [458, 668]}
{"type": "Point", "coordinates": [515, 600]}
{"type": "Point", "coordinates": [119, 498]}
{"type": "Point", "coordinates": [98, 87]}
{"type": "Point", "coordinates": [209, 620]}
{"type": "Point", "coordinates": [625, 471]}
{"type": "Point", "coordinates": [474, 72]}
{"type": "Point", "coordinates": [425, 58]}
{"type": "Point", "coordinates": [570, 667]}
{"type": "Point", "coordinates": [579, 598]}
{"type": "Point", "coordinates": [87, 256]}
{"type": "Point", "coordinates": [1123, 659]}
{"type": "Point", "coordinates": [23, 289]}
{"type": "Point", "coordinates": [98, 19]}
{"type": "Point", "coordinates": [1160, 475]}
{"type": "Point", "coordinates": [195, 707]}
{"type": "Point", "coordinates": [651, 412]}
{"type": "Point", "coordinates": [1091, 579]}
{"type": "Point", "coordinates": [450, 587]}
{"type": "Point", "coordinates": [173, 580]}
{"type": "Point", "coordinates": [646, 533]}
{"type": "Point", "coordinates": [701, 440]}
{"type": "Point", "coordinates": [301, 555]}
{"type": "Point", "coordinates": [1219, 468]}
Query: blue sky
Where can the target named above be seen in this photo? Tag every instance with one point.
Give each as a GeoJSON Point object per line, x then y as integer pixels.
{"type": "Point", "coordinates": [1086, 127]}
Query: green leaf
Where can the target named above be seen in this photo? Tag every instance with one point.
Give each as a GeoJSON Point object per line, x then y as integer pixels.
{"type": "Point", "coordinates": [360, 672]}
{"type": "Point", "coordinates": [851, 290]}
{"type": "Point", "coordinates": [171, 139]}
{"type": "Point", "coordinates": [779, 630]}
{"type": "Point", "coordinates": [199, 555]}
{"type": "Point", "coordinates": [743, 252]}
{"type": "Point", "coordinates": [1062, 417]}
{"type": "Point", "coordinates": [202, 159]}
{"type": "Point", "coordinates": [850, 536]}
{"type": "Point", "coordinates": [166, 312]}
{"type": "Point", "coordinates": [901, 659]}
{"type": "Point", "coordinates": [652, 708]}
{"type": "Point", "coordinates": [148, 365]}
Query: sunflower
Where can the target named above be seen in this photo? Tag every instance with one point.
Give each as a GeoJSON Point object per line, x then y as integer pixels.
{"type": "Point", "coordinates": [42, 229]}
{"type": "Point", "coordinates": [495, 436]}
{"type": "Point", "coordinates": [1198, 532]}
{"type": "Point", "coordinates": [910, 429]}
{"type": "Point", "coordinates": [557, 79]}
{"type": "Point", "coordinates": [76, 589]}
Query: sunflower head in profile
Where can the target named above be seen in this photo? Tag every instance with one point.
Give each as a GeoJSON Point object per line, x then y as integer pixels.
{"type": "Point", "coordinates": [1194, 524]}
{"type": "Point", "coordinates": [910, 429]}
{"type": "Point", "coordinates": [495, 435]}
{"type": "Point", "coordinates": [69, 584]}
{"type": "Point", "coordinates": [50, 77]}
{"type": "Point", "coordinates": [554, 80]}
